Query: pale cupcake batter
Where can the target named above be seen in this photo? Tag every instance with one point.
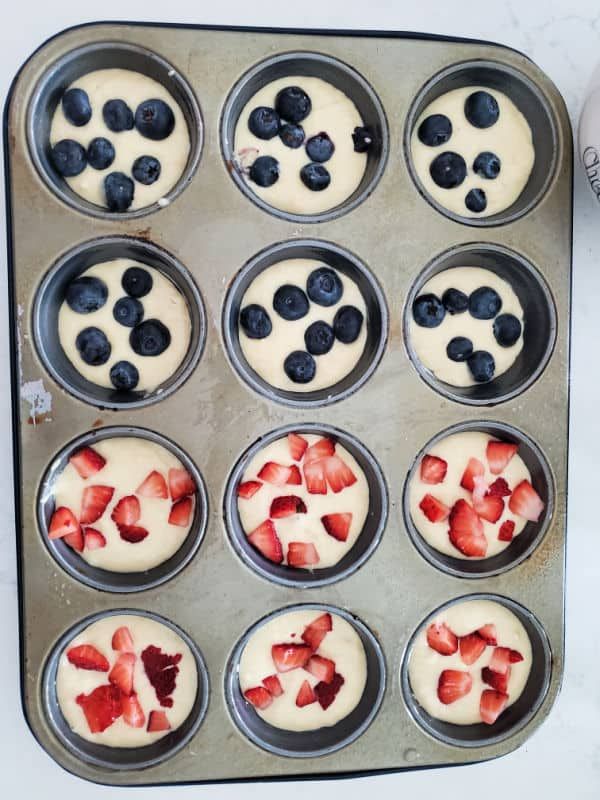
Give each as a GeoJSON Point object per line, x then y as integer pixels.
{"type": "Point", "coordinates": [341, 645]}
{"type": "Point", "coordinates": [286, 335]}
{"type": "Point", "coordinates": [490, 149]}
{"type": "Point", "coordinates": [331, 112]}
{"type": "Point", "coordinates": [162, 302]}
{"type": "Point", "coordinates": [445, 310]}
{"type": "Point", "coordinates": [134, 88]}
{"type": "Point", "coordinates": [464, 618]}
{"type": "Point", "coordinates": [73, 682]}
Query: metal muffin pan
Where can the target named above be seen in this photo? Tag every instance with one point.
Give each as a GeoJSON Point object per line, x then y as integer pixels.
{"type": "Point", "coordinates": [214, 231]}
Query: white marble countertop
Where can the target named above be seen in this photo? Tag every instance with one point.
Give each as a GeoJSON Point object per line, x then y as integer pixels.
{"type": "Point", "coordinates": [563, 758]}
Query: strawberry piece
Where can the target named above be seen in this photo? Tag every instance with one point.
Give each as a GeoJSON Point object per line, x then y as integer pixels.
{"type": "Point", "coordinates": [323, 448]}
{"type": "Point", "coordinates": [337, 525]}
{"type": "Point", "coordinates": [121, 674]}
{"type": "Point", "coordinates": [297, 445]}
{"type": "Point", "coordinates": [434, 509]}
{"type": "Point", "coordinates": [471, 647]}
{"type": "Point", "coordinates": [181, 484]}
{"type": "Point", "coordinates": [133, 713]}
{"type": "Point", "coordinates": [499, 454]}
{"type": "Point", "coordinates": [486, 506]}
{"type": "Point", "coordinates": [274, 473]}
{"type": "Point", "coordinates": [63, 523]}
{"type": "Point", "coordinates": [305, 695]}
{"type": "Point", "coordinates": [290, 656]}
{"type": "Point", "coordinates": [154, 485]}
{"type": "Point", "coordinates": [162, 671]}
{"type": "Point", "coordinates": [132, 533]}
{"type": "Point", "coordinates": [302, 554]}
{"type": "Point", "coordinates": [514, 657]}
{"type": "Point", "coordinates": [526, 502]}
{"type": "Point", "coordinates": [127, 511]}
{"type": "Point", "coordinates": [273, 685]}
{"type": "Point", "coordinates": [441, 639]}
{"type": "Point", "coordinates": [158, 721]}
{"type": "Point", "coordinates": [266, 541]}
{"type": "Point", "coordinates": [294, 477]}
{"type": "Point", "coordinates": [248, 489]}
{"type": "Point", "coordinates": [286, 506]}
{"type": "Point", "coordinates": [322, 668]}
{"type": "Point", "coordinates": [433, 469]}
{"type": "Point", "coordinates": [86, 656]}
{"type": "Point", "coordinates": [122, 640]}
{"type": "Point", "coordinates": [87, 462]}
{"type": "Point", "coordinates": [500, 660]}
{"type": "Point", "coordinates": [499, 488]}
{"type": "Point", "coordinates": [315, 632]}
{"type": "Point", "coordinates": [338, 474]}
{"type": "Point", "coordinates": [466, 531]}
{"type": "Point", "coordinates": [495, 679]}
{"type": "Point", "coordinates": [101, 707]}
{"type": "Point", "coordinates": [488, 634]}
{"type": "Point", "coordinates": [474, 469]}
{"type": "Point", "coordinates": [75, 540]}
{"type": "Point", "coordinates": [259, 697]}
{"type": "Point", "coordinates": [506, 532]}
{"type": "Point", "coordinates": [181, 512]}
{"type": "Point", "coordinates": [314, 475]}
{"type": "Point", "coordinates": [326, 692]}
{"type": "Point", "coordinates": [93, 503]}
{"type": "Point", "coordinates": [93, 539]}
{"type": "Point", "coordinates": [452, 685]}
{"type": "Point", "coordinates": [491, 705]}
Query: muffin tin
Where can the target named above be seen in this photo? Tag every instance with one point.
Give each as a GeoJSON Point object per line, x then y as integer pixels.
{"type": "Point", "coordinates": [209, 237]}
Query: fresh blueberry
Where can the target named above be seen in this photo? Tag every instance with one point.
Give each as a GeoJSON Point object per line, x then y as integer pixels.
{"type": "Point", "coordinates": [300, 367]}
{"type": "Point", "coordinates": [146, 170]}
{"type": "Point", "coordinates": [428, 311]}
{"type": "Point", "coordinates": [507, 329]}
{"type": "Point", "coordinates": [100, 153]}
{"type": "Point", "coordinates": [69, 158]}
{"type": "Point", "coordinates": [255, 321]}
{"type": "Point", "coordinates": [481, 365]}
{"type": "Point", "coordinates": [150, 338]}
{"type": "Point", "coordinates": [320, 147]}
{"type": "Point", "coordinates": [455, 301]}
{"type": "Point", "coordinates": [319, 338]}
{"type": "Point", "coordinates": [86, 294]}
{"type": "Point", "coordinates": [290, 302]}
{"type": "Point", "coordinates": [459, 349]}
{"type": "Point", "coordinates": [137, 282]}
{"type": "Point", "coordinates": [264, 122]}
{"type": "Point", "coordinates": [484, 303]}
{"type": "Point", "coordinates": [76, 107]}
{"type": "Point", "coordinates": [448, 170]}
{"type": "Point", "coordinates": [435, 130]}
{"type": "Point", "coordinates": [94, 347]}
{"type": "Point", "coordinates": [124, 376]}
{"type": "Point", "coordinates": [487, 165]}
{"type": "Point", "coordinates": [363, 138]}
{"type": "Point", "coordinates": [117, 116]}
{"type": "Point", "coordinates": [315, 177]}
{"type": "Point", "coordinates": [293, 104]}
{"type": "Point", "coordinates": [128, 311]}
{"type": "Point", "coordinates": [481, 109]}
{"type": "Point", "coordinates": [264, 171]}
{"type": "Point", "coordinates": [154, 119]}
{"type": "Point", "coordinates": [347, 323]}
{"type": "Point", "coordinates": [476, 201]}
{"type": "Point", "coordinates": [118, 189]}
{"type": "Point", "coordinates": [324, 286]}
{"type": "Point", "coordinates": [292, 135]}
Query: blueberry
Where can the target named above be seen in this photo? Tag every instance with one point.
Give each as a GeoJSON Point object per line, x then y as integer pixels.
{"type": "Point", "coordinates": [76, 107]}
{"type": "Point", "coordinates": [100, 153]}
{"type": "Point", "coordinates": [293, 104]}
{"type": "Point", "coordinates": [300, 367]}
{"type": "Point", "coordinates": [324, 286]}
{"type": "Point", "coordinates": [128, 311]}
{"type": "Point", "coordinates": [146, 170]}
{"type": "Point", "coordinates": [86, 294]}
{"type": "Point", "coordinates": [264, 171]}
{"type": "Point", "coordinates": [435, 130]}
{"type": "Point", "coordinates": [290, 302]}
{"type": "Point", "coordinates": [137, 282]}
{"type": "Point", "coordinates": [118, 189]}
{"type": "Point", "coordinates": [69, 158]}
{"type": "Point", "coordinates": [150, 338]}
{"type": "Point", "coordinates": [481, 365]}
{"type": "Point", "coordinates": [154, 119]}
{"type": "Point", "coordinates": [255, 321]}
{"type": "Point", "coordinates": [363, 138]}
{"type": "Point", "coordinates": [347, 323]}
{"type": "Point", "coordinates": [320, 147]}
{"type": "Point", "coordinates": [315, 177]}
{"type": "Point", "coordinates": [117, 116]}
{"type": "Point", "coordinates": [484, 303]}
{"type": "Point", "coordinates": [476, 201]}
{"type": "Point", "coordinates": [487, 165]}
{"type": "Point", "coordinates": [459, 349]}
{"type": "Point", "coordinates": [481, 109]}
{"type": "Point", "coordinates": [292, 135]}
{"type": "Point", "coordinates": [455, 301]}
{"type": "Point", "coordinates": [94, 347]}
{"type": "Point", "coordinates": [448, 170]}
{"type": "Point", "coordinates": [507, 329]}
{"type": "Point", "coordinates": [428, 311]}
{"type": "Point", "coordinates": [264, 122]}
{"type": "Point", "coordinates": [319, 338]}
{"type": "Point", "coordinates": [124, 376]}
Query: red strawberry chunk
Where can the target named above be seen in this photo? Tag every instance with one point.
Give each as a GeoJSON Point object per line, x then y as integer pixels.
{"type": "Point", "coordinates": [326, 692]}
{"type": "Point", "coordinates": [322, 668]}
{"type": "Point", "coordinates": [514, 657]}
{"type": "Point", "coordinates": [266, 541]}
{"type": "Point", "coordinates": [273, 685]}
{"type": "Point", "coordinates": [121, 674]}
{"type": "Point", "coordinates": [314, 475]}
{"type": "Point", "coordinates": [434, 509]}
{"type": "Point", "coordinates": [337, 525]}
{"type": "Point", "coordinates": [321, 449]}
{"type": "Point", "coordinates": [132, 533]}
{"type": "Point", "coordinates": [63, 523]}
{"type": "Point", "coordinates": [122, 640]}
{"type": "Point", "coordinates": [471, 647]}
{"type": "Point", "coordinates": [87, 462]}
{"type": "Point", "coordinates": [75, 540]}
{"type": "Point", "coordinates": [127, 511]}
{"type": "Point", "coordinates": [274, 473]}
{"type": "Point", "coordinates": [286, 506]}
{"type": "Point", "coordinates": [161, 670]}
{"type": "Point", "coordinates": [315, 632]}
{"type": "Point", "coordinates": [133, 713]}
{"type": "Point", "coordinates": [496, 680]}
{"type": "Point", "coordinates": [93, 503]}
{"type": "Point", "coordinates": [466, 531]}
{"type": "Point", "coordinates": [297, 445]}
{"type": "Point", "coordinates": [181, 512]}
{"type": "Point", "coordinates": [507, 530]}
{"type": "Point", "coordinates": [302, 554]}
{"type": "Point", "coordinates": [474, 469]}
{"type": "Point", "coordinates": [500, 660]}
{"type": "Point", "coordinates": [338, 474]}
{"type": "Point", "coordinates": [433, 469]}
{"type": "Point", "coordinates": [154, 485]}
{"type": "Point", "coordinates": [258, 696]}
{"type": "Point", "coordinates": [101, 707]}
{"type": "Point", "coordinates": [441, 639]}
{"type": "Point", "coordinates": [248, 489]}
{"type": "Point", "coordinates": [290, 656]}
{"type": "Point", "coordinates": [157, 722]}
{"type": "Point", "coordinates": [86, 656]}
{"type": "Point", "coordinates": [294, 477]}
{"type": "Point", "coordinates": [181, 484]}
{"type": "Point", "coordinates": [488, 634]}
{"type": "Point", "coordinates": [499, 488]}
{"type": "Point", "coordinates": [452, 685]}
{"type": "Point", "coordinates": [305, 695]}
{"type": "Point", "coordinates": [526, 502]}
{"type": "Point", "coordinates": [488, 507]}
{"type": "Point", "coordinates": [491, 705]}
{"type": "Point", "coordinates": [93, 539]}
{"type": "Point", "coordinates": [499, 454]}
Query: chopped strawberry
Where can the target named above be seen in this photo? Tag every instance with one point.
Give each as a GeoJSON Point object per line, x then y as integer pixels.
{"type": "Point", "coordinates": [133, 713]}
{"type": "Point", "coordinates": [290, 656]}
{"type": "Point", "coordinates": [500, 660]}
{"type": "Point", "coordinates": [441, 639]}
{"type": "Point", "coordinates": [314, 475]}
{"type": "Point", "coordinates": [337, 525]}
{"type": "Point", "coordinates": [101, 707]}
{"type": "Point", "coordinates": [63, 523]}
{"type": "Point", "coordinates": [474, 469]}
{"type": "Point", "coordinates": [86, 656]}
{"type": "Point", "coordinates": [294, 477]}
{"type": "Point", "coordinates": [127, 511]}
{"type": "Point", "coordinates": [93, 503]}
{"type": "Point", "coordinates": [315, 632]}
{"type": "Point", "coordinates": [488, 634]}
{"type": "Point", "coordinates": [514, 657]}
{"type": "Point", "coordinates": [302, 554]}
{"type": "Point", "coordinates": [526, 502]}
{"type": "Point", "coordinates": [433, 469]}
{"type": "Point", "coordinates": [471, 647]}
{"type": "Point", "coordinates": [297, 445]}
{"type": "Point", "coordinates": [466, 531]}
{"type": "Point", "coordinates": [486, 506]}
{"type": "Point", "coordinates": [132, 533]}
{"type": "Point", "coordinates": [93, 539]}
{"type": "Point", "coordinates": [181, 484]}
{"type": "Point", "coordinates": [121, 674]}
{"type": "Point", "coordinates": [499, 488]}
{"type": "Point", "coordinates": [305, 695]}
{"type": "Point", "coordinates": [158, 721]}
{"type": "Point", "coordinates": [259, 697]}
{"type": "Point", "coordinates": [273, 685]}
{"type": "Point", "coordinates": [87, 462]}
{"type": "Point", "coordinates": [491, 705]}
{"type": "Point", "coordinates": [326, 692]}
{"type": "Point", "coordinates": [75, 540]}
{"type": "Point", "coordinates": [286, 506]}
{"type": "Point", "coordinates": [162, 670]}
{"type": "Point", "coordinates": [499, 454]}
{"type": "Point", "coordinates": [323, 448]}
{"type": "Point", "coordinates": [122, 640]}
{"type": "Point", "coordinates": [266, 541]}
{"type": "Point", "coordinates": [322, 668]}
{"type": "Point", "coordinates": [154, 485]}
{"type": "Point", "coordinates": [496, 680]}
{"type": "Point", "coordinates": [276, 474]}
{"type": "Point", "coordinates": [338, 474]}
{"type": "Point", "coordinates": [181, 512]}
{"type": "Point", "coordinates": [452, 685]}
{"type": "Point", "coordinates": [248, 489]}
{"type": "Point", "coordinates": [506, 532]}
{"type": "Point", "coordinates": [434, 509]}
